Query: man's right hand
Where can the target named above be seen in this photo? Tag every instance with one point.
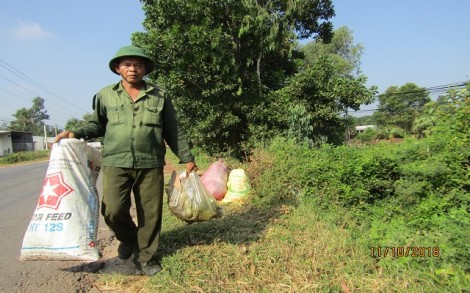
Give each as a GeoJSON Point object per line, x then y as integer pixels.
{"type": "Point", "coordinates": [64, 134]}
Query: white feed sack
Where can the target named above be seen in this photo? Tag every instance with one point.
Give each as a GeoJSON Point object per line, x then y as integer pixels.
{"type": "Point", "coordinates": [64, 225]}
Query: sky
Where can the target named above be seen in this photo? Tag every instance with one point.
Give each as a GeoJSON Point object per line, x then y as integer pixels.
{"type": "Point", "coordinates": [59, 50]}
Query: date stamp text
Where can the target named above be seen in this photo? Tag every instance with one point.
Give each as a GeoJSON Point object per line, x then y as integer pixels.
{"type": "Point", "coordinates": [405, 251]}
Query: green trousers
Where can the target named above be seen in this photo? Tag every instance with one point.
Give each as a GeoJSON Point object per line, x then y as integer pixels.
{"type": "Point", "coordinates": [147, 187]}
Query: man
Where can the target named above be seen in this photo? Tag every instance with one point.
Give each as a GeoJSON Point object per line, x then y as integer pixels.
{"type": "Point", "coordinates": [135, 120]}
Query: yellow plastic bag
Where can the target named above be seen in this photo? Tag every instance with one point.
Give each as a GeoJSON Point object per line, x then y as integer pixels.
{"type": "Point", "coordinates": [189, 200]}
{"type": "Point", "coordinates": [238, 186]}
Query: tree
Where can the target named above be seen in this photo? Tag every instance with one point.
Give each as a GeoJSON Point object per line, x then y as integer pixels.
{"type": "Point", "coordinates": [449, 112]}
{"type": "Point", "coordinates": [329, 83]}
{"type": "Point", "coordinates": [3, 125]}
{"type": "Point", "coordinates": [74, 123]}
{"type": "Point", "coordinates": [364, 120]}
{"type": "Point", "coordinates": [219, 60]}
{"type": "Point", "coordinates": [314, 100]}
{"type": "Point", "coordinates": [400, 106]}
{"type": "Point", "coordinates": [32, 119]}
{"type": "Point", "coordinates": [345, 55]}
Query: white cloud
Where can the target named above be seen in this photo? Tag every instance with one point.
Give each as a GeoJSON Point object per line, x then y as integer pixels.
{"type": "Point", "coordinates": [31, 31]}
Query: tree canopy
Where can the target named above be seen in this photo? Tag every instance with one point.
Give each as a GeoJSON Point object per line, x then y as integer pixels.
{"type": "Point", "coordinates": [400, 106]}
{"type": "Point", "coordinates": [229, 67]}
{"type": "Point", "coordinates": [344, 53]}
{"type": "Point", "coordinates": [74, 123]}
{"type": "Point", "coordinates": [32, 119]}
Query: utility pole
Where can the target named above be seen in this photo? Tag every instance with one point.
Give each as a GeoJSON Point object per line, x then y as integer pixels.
{"type": "Point", "coordinates": [45, 136]}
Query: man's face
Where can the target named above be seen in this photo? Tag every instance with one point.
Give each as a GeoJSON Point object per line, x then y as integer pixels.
{"type": "Point", "coordinates": [132, 69]}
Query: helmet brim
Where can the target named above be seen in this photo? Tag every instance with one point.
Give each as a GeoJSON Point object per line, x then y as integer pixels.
{"type": "Point", "coordinates": [132, 51]}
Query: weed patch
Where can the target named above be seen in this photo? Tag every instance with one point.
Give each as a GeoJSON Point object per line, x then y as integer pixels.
{"type": "Point", "coordinates": [24, 157]}
{"type": "Point", "coordinates": [318, 216]}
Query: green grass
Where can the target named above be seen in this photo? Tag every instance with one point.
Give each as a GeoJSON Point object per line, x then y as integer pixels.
{"type": "Point", "coordinates": [283, 249]}
{"type": "Point", "coordinates": [270, 247]}
{"type": "Point", "coordinates": [284, 241]}
{"type": "Point", "coordinates": [15, 158]}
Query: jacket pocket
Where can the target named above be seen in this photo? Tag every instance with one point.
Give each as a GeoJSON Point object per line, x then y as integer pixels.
{"type": "Point", "coordinates": [116, 115]}
{"type": "Point", "coordinates": [152, 116]}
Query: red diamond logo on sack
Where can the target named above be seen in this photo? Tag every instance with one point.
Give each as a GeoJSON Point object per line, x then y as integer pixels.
{"type": "Point", "coordinates": [53, 190]}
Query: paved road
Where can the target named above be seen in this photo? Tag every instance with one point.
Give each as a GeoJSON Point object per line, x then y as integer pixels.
{"type": "Point", "coordinates": [20, 187]}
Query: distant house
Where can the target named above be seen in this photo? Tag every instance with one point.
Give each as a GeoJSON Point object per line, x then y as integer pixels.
{"type": "Point", "coordinates": [362, 128]}
{"type": "Point", "coordinates": [20, 141]}
{"type": "Point", "coordinates": [15, 141]}
{"type": "Point", "coordinates": [40, 142]}
{"type": "Point", "coordinates": [6, 146]}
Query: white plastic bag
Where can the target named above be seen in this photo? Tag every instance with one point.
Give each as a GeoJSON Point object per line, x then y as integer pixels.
{"type": "Point", "coordinates": [189, 200]}
{"type": "Point", "coordinates": [64, 225]}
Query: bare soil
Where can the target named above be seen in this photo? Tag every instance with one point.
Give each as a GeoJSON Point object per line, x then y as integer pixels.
{"type": "Point", "coordinates": [71, 276]}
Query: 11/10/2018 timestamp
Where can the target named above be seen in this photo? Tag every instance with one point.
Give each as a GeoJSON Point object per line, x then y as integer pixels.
{"type": "Point", "coordinates": [405, 251]}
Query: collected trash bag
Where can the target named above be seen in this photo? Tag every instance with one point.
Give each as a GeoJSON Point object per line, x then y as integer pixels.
{"type": "Point", "coordinates": [238, 186]}
{"type": "Point", "coordinates": [64, 224]}
{"type": "Point", "coordinates": [189, 200]}
{"type": "Point", "coordinates": [215, 179]}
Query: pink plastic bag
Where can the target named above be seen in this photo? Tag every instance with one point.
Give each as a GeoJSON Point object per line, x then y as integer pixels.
{"type": "Point", "coordinates": [215, 179]}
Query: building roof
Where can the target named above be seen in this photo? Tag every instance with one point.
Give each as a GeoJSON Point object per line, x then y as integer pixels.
{"type": "Point", "coordinates": [13, 131]}
{"type": "Point", "coordinates": [363, 127]}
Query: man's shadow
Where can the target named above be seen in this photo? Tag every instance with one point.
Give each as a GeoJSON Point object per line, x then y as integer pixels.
{"type": "Point", "coordinates": [239, 227]}
{"type": "Point", "coordinates": [236, 226]}
{"type": "Point", "coordinates": [242, 226]}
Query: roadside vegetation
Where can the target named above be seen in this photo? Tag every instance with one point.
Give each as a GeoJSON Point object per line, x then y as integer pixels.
{"type": "Point", "coordinates": [318, 215]}
{"type": "Point", "coordinates": [330, 209]}
{"type": "Point", "coordinates": [24, 157]}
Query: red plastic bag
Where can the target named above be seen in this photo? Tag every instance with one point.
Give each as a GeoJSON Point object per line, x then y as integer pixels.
{"type": "Point", "coordinates": [215, 179]}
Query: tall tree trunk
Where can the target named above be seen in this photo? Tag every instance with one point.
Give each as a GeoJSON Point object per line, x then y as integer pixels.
{"type": "Point", "coordinates": [258, 70]}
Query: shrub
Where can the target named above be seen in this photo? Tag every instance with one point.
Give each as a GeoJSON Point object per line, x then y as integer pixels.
{"type": "Point", "coordinates": [414, 192]}
{"type": "Point", "coordinates": [24, 156]}
{"type": "Point", "coordinates": [368, 135]}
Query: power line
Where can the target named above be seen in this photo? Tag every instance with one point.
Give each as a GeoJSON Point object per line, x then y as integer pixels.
{"type": "Point", "coordinates": [37, 85]}
{"type": "Point", "coordinates": [33, 93]}
{"type": "Point", "coordinates": [440, 89]}
{"type": "Point", "coordinates": [5, 119]}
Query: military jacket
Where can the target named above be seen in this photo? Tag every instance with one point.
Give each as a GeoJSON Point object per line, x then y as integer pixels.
{"type": "Point", "coordinates": [135, 132]}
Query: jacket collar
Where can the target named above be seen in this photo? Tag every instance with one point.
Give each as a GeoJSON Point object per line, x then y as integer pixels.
{"type": "Point", "coordinates": [146, 87]}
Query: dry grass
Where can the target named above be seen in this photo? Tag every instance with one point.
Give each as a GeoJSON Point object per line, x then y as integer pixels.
{"type": "Point", "coordinates": [267, 249]}
{"type": "Point", "coordinates": [284, 249]}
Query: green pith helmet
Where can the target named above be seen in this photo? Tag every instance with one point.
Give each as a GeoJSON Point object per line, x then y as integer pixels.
{"type": "Point", "coordinates": [133, 51]}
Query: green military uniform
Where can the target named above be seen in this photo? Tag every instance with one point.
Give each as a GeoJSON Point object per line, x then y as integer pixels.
{"type": "Point", "coordinates": [134, 136]}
